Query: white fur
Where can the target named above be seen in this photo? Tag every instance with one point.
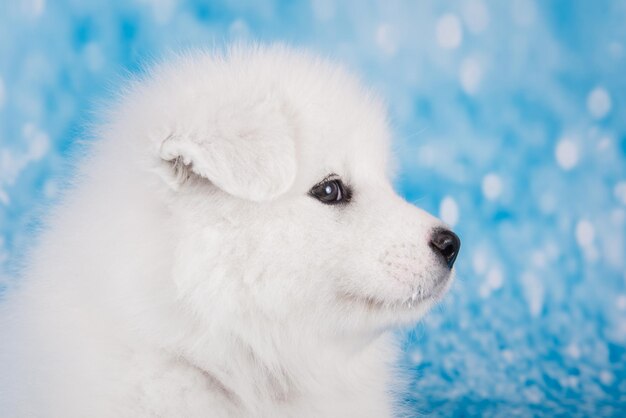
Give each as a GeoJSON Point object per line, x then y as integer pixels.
{"type": "Point", "coordinates": [189, 273]}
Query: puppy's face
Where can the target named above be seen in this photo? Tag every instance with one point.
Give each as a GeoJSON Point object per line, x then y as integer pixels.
{"type": "Point", "coordinates": [282, 198]}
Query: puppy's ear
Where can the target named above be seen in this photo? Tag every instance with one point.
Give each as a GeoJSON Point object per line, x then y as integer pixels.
{"type": "Point", "coordinates": [246, 151]}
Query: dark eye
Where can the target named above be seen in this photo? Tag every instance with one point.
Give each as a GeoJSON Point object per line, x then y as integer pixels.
{"type": "Point", "coordinates": [331, 192]}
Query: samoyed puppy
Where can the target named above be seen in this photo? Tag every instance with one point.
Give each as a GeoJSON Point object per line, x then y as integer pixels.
{"type": "Point", "coordinates": [232, 247]}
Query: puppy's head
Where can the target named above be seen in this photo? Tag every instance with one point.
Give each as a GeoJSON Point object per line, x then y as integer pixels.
{"type": "Point", "coordinates": [277, 166]}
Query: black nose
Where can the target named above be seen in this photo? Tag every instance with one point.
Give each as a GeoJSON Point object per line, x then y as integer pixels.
{"type": "Point", "coordinates": [447, 244]}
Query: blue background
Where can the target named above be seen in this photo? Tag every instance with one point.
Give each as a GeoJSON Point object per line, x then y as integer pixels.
{"type": "Point", "coordinates": [510, 123]}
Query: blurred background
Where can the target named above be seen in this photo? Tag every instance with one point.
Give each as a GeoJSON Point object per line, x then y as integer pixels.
{"type": "Point", "coordinates": [510, 124]}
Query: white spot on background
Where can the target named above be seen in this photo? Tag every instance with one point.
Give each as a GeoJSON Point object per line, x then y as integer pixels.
{"type": "Point", "coordinates": [39, 6]}
{"type": "Point", "coordinates": [534, 292]}
{"type": "Point", "coordinates": [12, 164]}
{"type": "Point", "coordinates": [618, 217]}
{"type": "Point", "coordinates": [533, 394]}
{"type": "Point", "coordinates": [50, 189]}
{"type": "Point", "coordinates": [2, 93]}
{"type": "Point", "coordinates": [162, 10]}
{"type": "Point", "coordinates": [524, 12]}
{"type": "Point", "coordinates": [619, 330]}
{"type": "Point", "coordinates": [613, 249]}
{"type": "Point", "coordinates": [386, 39]}
{"type": "Point", "coordinates": [449, 211]}
{"type": "Point", "coordinates": [470, 75]}
{"type": "Point", "coordinates": [599, 103]}
{"type": "Point", "coordinates": [591, 253]}
{"type": "Point", "coordinates": [239, 29]}
{"type": "Point", "coordinates": [479, 261]}
{"type": "Point", "coordinates": [449, 32]}
{"type": "Point", "coordinates": [548, 203]}
{"type": "Point", "coordinates": [93, 56]}
{"type": "Point", "coordinates": [38, 145]}
{"type": "Point", "coordinates": [571, 381]}
{"type": "Point", "coordinates": [606, 377]}
{"type": "Point", "coordinates": [604, 143]}
{"type": "Point", "coordinates": [573, 351]}
{"type": "Point", "coordinates": [495, 278]}
{"type": "Point", "coordinates": [620, 302]}
{"type": "Point", "coordinates": [616, 49]}
{"type": "Point", "coordinates": [323, 10]}
{"type": "Point", "coordinates": [585, 233]}
{"type": "Point", "coordinates": [427, 155]}
{"type": "Point", "coordinates": [34, 8]}
{"type": "Point", "coordinates": [416, 357]}
{"type": "Point", "coordinates": [484, 291]}
{"type": "Point", "coordinates": [492, 186]}
{"type": "Point", "coordinates": [3, 257]}
{"type": "Point", "coordinates": [620, 192]}
{"type": "Point", "coordinates": [4, 198]}
{"type": "Point", "coordinates": [552, 250]}
{"type": "Point", "coordinates": [538, 258]}
{"type": "Point", "coordinates": [508, 356]}
{"type": "Point", "coordinates": [476, 15]}
{"type": "Point", "coordinates": [493, 281]}
{"type": "Point", "coordinates": [566, 154]}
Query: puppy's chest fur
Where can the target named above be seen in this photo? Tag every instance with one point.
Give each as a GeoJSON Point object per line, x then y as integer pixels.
{"type": "Point", "coordinates": [160, 385]}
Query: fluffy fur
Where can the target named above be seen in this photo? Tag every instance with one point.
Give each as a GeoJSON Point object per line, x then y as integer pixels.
{"type": "Point", "coordinates": [189, 273]}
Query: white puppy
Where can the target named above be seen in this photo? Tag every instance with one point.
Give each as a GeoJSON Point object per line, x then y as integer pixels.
{"type": "Point", "coordinates": [232, 247]}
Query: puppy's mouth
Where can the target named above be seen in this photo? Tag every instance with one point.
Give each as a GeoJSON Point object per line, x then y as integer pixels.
{"type": "Point", "coordinates": [417, 298]}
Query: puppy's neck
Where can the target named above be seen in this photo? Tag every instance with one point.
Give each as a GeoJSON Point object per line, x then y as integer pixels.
{"type": "Point", "coordinates": [285, 370]}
